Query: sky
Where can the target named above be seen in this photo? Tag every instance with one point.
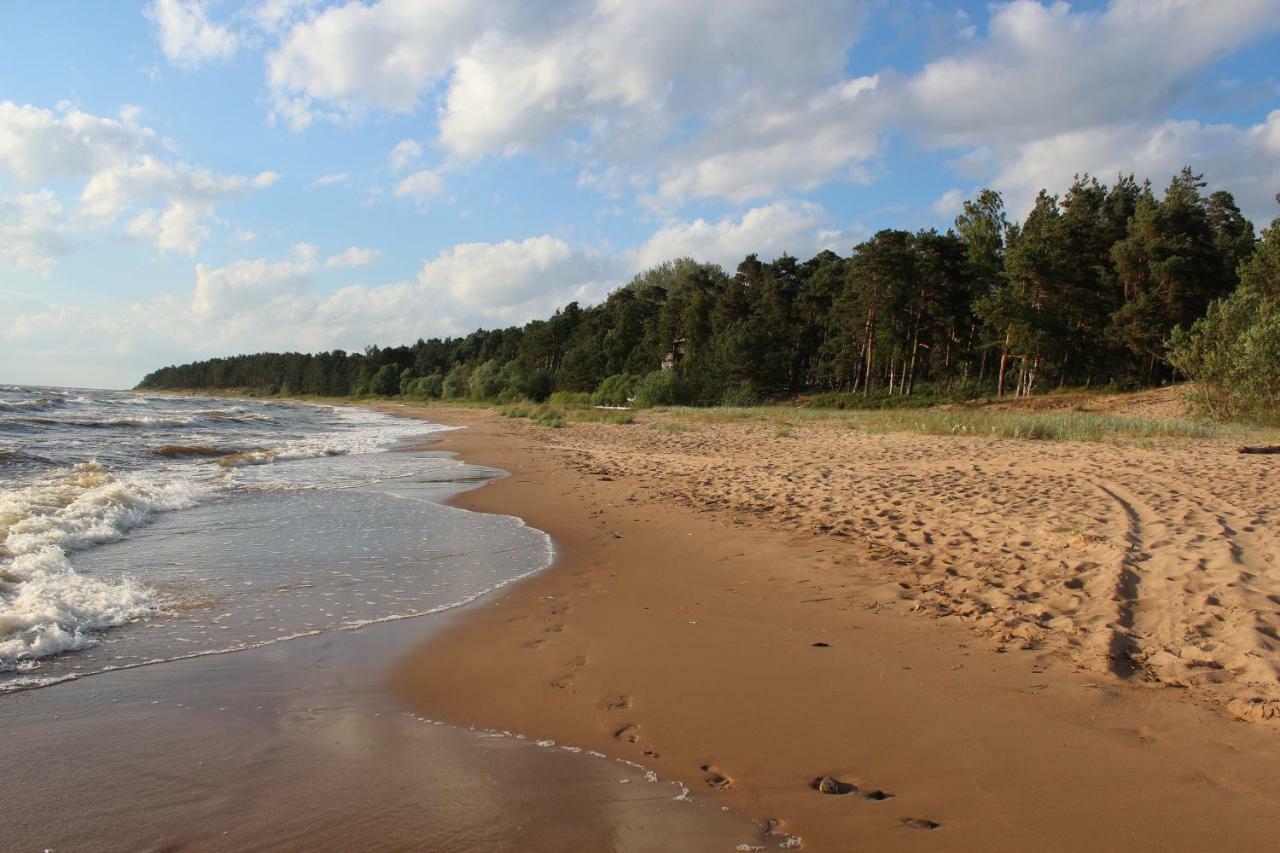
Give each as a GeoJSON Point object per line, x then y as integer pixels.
{"type": "Point", "coordinates": [181, 179]}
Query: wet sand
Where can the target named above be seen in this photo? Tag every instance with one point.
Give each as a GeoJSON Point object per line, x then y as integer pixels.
{"type": "Point", "coordinates": [301, 745]}
{"type": "Point", "coordinates": [706, 617]}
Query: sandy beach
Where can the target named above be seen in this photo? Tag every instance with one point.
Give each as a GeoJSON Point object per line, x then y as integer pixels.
{"type": "Point", "coordinates": [996, 644]}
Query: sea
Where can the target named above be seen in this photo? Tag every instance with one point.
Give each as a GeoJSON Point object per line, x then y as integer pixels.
{"type": "Point", "coordinates": [141, 528]}
{"type": "Point", "coordinates": [202, 605]}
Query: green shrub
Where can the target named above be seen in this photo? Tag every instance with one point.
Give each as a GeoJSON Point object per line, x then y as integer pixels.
{"type": "Point", "coordinates": [456, 382]}
{"type": "Point", "coordinates": [740, 396]}
{"type": "Point", "coordinates": [603, 417]}
{"type": "Point", "coordinates": [657, 389]}
{"type": "Point", "coordinates": [570, 399]}
{"type": "Point", "coordinates": [616, 390]}
{"type": "Point", "coordinates": [426, 387]}
{"type": "Point", "coordinates": [549, 418]}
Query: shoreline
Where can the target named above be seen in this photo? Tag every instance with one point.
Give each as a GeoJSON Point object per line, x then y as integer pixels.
{"type": "Point", "coordinates": [747, 661]}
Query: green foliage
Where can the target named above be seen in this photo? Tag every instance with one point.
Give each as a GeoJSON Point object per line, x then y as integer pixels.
{"type": "Point", "coordinates": [457, 382]}
{"type": "Point", "coordinates": [1085, 291]}
{"type": "Point", "coordinates": [549, 418]}
{"type": "Point", "coordinates": [569, 399]}
{"type": "Point", "coordinates": [1232, 354]}
{"type": "Point", "coordinates": [386, 382]}
{"type": "Point", "coordinates": [741, 394]}
{"type": "Point", "coordinates": [426, 387]}
{"type": "Point", "coordinates": [616, 390]}
{"type": "Point", "coordinates": [659, 388]}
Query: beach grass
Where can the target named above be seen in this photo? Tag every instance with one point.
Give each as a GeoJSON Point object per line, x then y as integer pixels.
{"type": "Point", "coordinates": [1030, 426]}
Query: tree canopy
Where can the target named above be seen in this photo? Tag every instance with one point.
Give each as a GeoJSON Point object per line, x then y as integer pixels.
{"type": "Point", "coordinates": [1086, 290]}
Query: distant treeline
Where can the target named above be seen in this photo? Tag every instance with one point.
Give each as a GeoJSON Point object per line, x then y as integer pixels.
{"type": "Point", "coordinates": [1086, 291]}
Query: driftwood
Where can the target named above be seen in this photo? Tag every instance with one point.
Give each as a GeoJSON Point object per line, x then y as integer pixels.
{"type": "Point", "coordinates": [1269, 448]}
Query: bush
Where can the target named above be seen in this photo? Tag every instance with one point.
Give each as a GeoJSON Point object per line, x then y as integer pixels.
{"type": "Point", "coordinates": [549, 418]}
{"type": "Point", "coordinates": [740, 396]}
{"type": "Point", "coordinates": [657, 389]}
{"type": "Point", "coordinates": [570, 399]}
{"type": "Point", "coordinates": [1232, 354]}
{"type": "Point", "coordinates": [616, 390]}
{"type": "Point", "coordinates": [427, 387]}
{"type": "Point", "coordinates": [535, 386]}
{"type": "Point", "coordinates": [456, 382]}
{"type": "Point", "coordinates": [386, 382]}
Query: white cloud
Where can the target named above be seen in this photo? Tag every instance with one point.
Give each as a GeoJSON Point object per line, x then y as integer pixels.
{"type": "Point", "coordinates": [420, 186]}
{"type": "Point", "coordinates": [1245, 161]}
{"type": "Point", "coordinates": [405, 154]}
{"type": "Point", "coordinates": [950, 203]}
{"type": "Point", "coordinates": [352, 258]}
{"type": "Point", "coordinates": [187, 36]}
{"type": "Point", "coordinates": [1045, 69]}
{"type": "Point", "coordinates": [246, 289]}
{"type": "Point", "coordinates": [31, 232]}
{"type": "Point", "coordinates": [789, 148]}
{"type": "Point", "coordinates": [273, 15]}
{"type": "Point", "coordinates": [798, 228]}
{"type": "Point", "coordinates": [742, 101]}
{"type": "Point", "coordinates": [598, 79]}
{"type": "Point", "coordinates": [384, 53]}
{"type": "Point", "coordinates": [512, 282]}
{"type": "Point", "coordinates": [125, 168]}
{"type": "Point", "coordinates": [37, 145]}
{"type": "Point", "coordinates": [331, 179]}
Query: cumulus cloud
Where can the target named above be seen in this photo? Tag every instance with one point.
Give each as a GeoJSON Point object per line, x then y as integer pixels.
{"type": "Point", "coordinates": [384, 54]}
{"type": "Point", "coordinates": [420, 186]}
{"type": "Point", "coordinates": [667, 99]}
{"type": "Point", "coordinates": [1043, 69]}
{"type": "Point", "coordinates": [259, 304]}
{"type": "Point", "coordinates": [404, 154]}
{"type": "Point", "coordinates": [795, 227]}
{"type": "Point", "coordinates": [1245, 161]}
{"type": "Point", "coordinates": [187, 36]}
{"type": "Point", "coordinates": [124, 167]}
{"type": "Point", "coordinates": [352, 258]}
{"type": "Point", "coordinates": [31, 232]}
{"type": "Point", "coordinates": [515, 281]}
{"type": "Point", "coordinates": [599, 79]}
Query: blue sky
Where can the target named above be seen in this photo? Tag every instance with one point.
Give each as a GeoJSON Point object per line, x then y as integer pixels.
{"type": "Point", "coordinates": [187, 178]}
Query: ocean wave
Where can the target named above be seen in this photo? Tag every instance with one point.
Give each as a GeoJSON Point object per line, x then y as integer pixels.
{"type": "Point", "coordinates": [38, 404]}
{"type": "Point", "coordinates": [263, 457]}
{"type": "Point", "coordinates": [47, 607]}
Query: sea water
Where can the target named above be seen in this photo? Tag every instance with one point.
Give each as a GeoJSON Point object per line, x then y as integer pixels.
{"type": "Point", "coordinates": [140, 528]}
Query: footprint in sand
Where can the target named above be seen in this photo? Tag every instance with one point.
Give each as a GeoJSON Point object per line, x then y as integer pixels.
{"type": "Point", "coordinates": [576, 662]}
{"type": "Point", "coordinates": [716, 779]}
{"type": "Point", "coordinates": [533, 644]}
{"type": "Point", "coordinates": [630, 733]}
{"type": "Point", "coordinates": [920, 823]}
{"type": "Point", "coordinates": [833, 786]}
{"type": "Point", "coordinates": [622, 703]}
{"type": "Point", "coordinates": [565, 683]}
{"type": "Point", "coordinates": [554, 629]}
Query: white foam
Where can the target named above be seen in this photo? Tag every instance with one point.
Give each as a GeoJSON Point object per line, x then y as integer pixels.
{"type": "Point", "coordinates": [47, 607]}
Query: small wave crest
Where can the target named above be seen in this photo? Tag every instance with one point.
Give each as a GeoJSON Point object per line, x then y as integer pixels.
{"type": "Point", "coordinates": [46, 606]}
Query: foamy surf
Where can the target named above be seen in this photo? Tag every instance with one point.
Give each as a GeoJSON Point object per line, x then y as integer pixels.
{"type": "Point", "coordinates": [184, 527]}
{"type": "Point", "coordinates": [46, 606]}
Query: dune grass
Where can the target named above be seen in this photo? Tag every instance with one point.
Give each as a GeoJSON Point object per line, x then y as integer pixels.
{"type": "Point", "coordinates": [599, 416]}
{"type": "Point", "coordinates": [1030, 426]}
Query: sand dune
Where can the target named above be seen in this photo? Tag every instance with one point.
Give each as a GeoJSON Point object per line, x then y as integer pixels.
{"type": "Point", "coordinates": [1154, 564]}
